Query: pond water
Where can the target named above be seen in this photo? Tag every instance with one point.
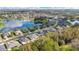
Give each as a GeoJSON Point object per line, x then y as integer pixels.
{"type": "Point", "coordinates": [12, 24]}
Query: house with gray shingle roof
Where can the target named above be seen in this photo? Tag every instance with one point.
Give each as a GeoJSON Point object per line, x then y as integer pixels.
{"type": "Point", "coordinates": [12, 44]}
{"type": "Point", "coordinates": [2, 47]}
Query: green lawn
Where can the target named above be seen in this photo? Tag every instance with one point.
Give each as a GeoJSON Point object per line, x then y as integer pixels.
{"type": "Point", "coordinates": [1, 25]}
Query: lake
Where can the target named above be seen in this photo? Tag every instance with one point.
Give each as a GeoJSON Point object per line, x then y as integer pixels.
{"type": "Point", "coordinates": [12, 24]}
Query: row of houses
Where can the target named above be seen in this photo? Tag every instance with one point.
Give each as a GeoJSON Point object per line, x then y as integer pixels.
{"type": "Point", "coordinates": [20, 38]}
{"type": "Point", "coordinates": [9, 42]}
{"type": "Point", "coordinates": [7, 35]}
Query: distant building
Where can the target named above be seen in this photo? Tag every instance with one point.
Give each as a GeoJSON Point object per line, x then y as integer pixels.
{"type": "Point", "coordinates": [75, 22]}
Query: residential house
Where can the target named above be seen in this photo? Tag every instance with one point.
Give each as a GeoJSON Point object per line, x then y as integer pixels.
{"type": "Point", "coordinates": [12, 44]}
{"type": "Point", "coordinates": [33, 37]}
{"type": "Point", "coordinates": [18, 33]}
{"type": "Point", "coordinates": [23, 40]}
{"type": "Point", "coordinates": [2, 47]}
{"type": "Point", "coordinates": [6, 35]}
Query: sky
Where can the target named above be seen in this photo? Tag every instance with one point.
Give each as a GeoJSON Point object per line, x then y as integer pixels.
{"type": "Point", "coordinates": [39, 3]}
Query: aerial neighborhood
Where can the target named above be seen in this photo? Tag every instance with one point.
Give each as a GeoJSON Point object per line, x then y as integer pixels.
{"type": "Point", "coordinates": [20, 27]}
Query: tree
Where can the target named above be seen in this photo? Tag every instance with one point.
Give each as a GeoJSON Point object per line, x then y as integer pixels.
{"type": "Point", "coordinates": [66, 48]}
{"type": "Point", "coordinates": [42, 20]}
{"type": "Point", "coordinates": [50, 45]}
{"type": "Point", "coordinates": [15, 49]}
{"type": "Point", "coordinates": [42, 44]}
